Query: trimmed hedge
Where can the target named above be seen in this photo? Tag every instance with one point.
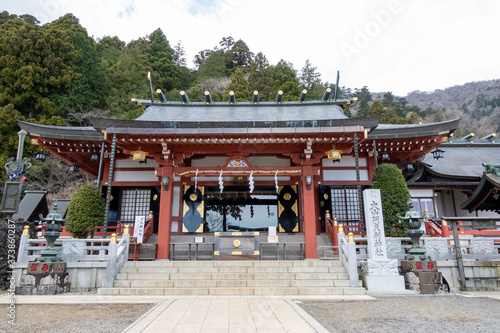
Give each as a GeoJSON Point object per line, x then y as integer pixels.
{"type": "Point", "coordinates": [85, 211]}
{"type": "Point", "coordinates": [395, 195]}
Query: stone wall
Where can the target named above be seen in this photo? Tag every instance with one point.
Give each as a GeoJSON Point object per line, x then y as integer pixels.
{"type": "Point", "coordinates": [481, 275]}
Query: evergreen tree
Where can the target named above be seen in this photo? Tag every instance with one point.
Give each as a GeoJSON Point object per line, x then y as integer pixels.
{"type": "Point", "coordinates": [30, 19]}
{"type": "Point", "coordinates": [309, 76]}
{"type": "Point", "coordinates": [37, 66]}
{"type": "Point", "coordinates": [260, 78]}
{"type": "Point", "coordinates": [238, 55]}
{"type": "Point", "coordinates": [125, 80]}
{"type": "Point", "coordinates": [194, 95]}
{"type": "Point", "coordinates": [179, 55]}
{"type": "Point", "coordinates": [85, 211]}
{"type": "Point", "coordinates": [226, 43]}
{"type": "Point", "coordinates": [387, 115]}
{"type": "Point", "coordinates": [388, 100]}
{"type": "Point", "coordinates": [395, 197]}
{"type": "Point", "coordinates": [285, 79]}
{"type": "Point", "coordinates": [239, 85]}
{"type": "Point", "coordinates": [87, 90]}
{"type": "Point", "coordinates": [201, 57]}
{"type": "Point", "coordinates": [109, 50]}
{"type": "Point", "coordinates": [364, 98]}
{"type": "Point", "coordinates": [212, 67]}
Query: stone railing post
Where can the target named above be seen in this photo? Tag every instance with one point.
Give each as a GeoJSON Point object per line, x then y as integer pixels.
{"type": "Point", "coordinates": [341, 233]}
{"type": "Point", "coordinates": [353, 261]}
{"type": "Point", "coordinates": [126, 236]}
{"type": "Point", "coordinates": [111, 264]}
{"type": "Point", "coordinates": [335, 235]}
{"type": "Point", "coordinates": [22, 244]}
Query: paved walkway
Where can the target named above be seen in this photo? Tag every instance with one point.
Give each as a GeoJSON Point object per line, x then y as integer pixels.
{"type": "Point", "coordinates": [215, 313]}
{"type": "Point", "coordinates": [207, 313]}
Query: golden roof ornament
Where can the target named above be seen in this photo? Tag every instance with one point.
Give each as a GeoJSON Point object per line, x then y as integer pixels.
{"type": "Point", "coordinates": [334, 154]}
{"type": "Point", "coordinates": [139, 155]}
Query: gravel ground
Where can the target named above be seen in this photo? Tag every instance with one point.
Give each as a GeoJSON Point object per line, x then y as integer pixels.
{"type": "Point", "coordinates": [74, 318]}
{"type": "Point", "coordinates": [446, 313]}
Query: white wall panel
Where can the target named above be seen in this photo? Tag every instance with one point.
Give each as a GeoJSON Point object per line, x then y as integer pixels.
{"type": "Point", "coordinates": [130, 163]}
{"type": "Point", "coordinates": [135, 176]}
{"type": "Point", "coordinates": [345, 161]}
{"type": "Point", "coordinates": [176, 201]}
{"type": "Point", "coordinates": [344, 174]}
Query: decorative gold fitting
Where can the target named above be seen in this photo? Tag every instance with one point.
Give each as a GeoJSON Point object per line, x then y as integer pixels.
{"type": "Point", "coordinates": [151, 216]}
{"type": "Point", "coordinates": [341, 229]}
{"type": "Point", "coordinates": [443, 222]}
{"type": "Point", "coordinates": [113, 239]}
{"type": "Point", "coordinates": [350, 238]}
{"type": "Point", "coordinates": [26, 230]}
{"type": "Point", "coordinates": [327, 215]}
{"type": "Point", "coordinates": [127, 230]}
{"type": "Point", "coordinates": [335, 223]}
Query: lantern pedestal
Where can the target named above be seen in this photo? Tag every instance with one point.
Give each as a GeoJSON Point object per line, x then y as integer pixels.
{"type": "Point", "coordinates": [49, 278]}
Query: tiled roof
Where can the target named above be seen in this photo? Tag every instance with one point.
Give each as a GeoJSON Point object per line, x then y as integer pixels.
{"type": "Point", "coordinates": [463, 161]}
{"type": "Point", "coordinates": [247, 112]}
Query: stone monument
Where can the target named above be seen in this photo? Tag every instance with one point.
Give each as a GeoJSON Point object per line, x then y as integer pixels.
{"type": "Point", "coordinates": [378, 273]}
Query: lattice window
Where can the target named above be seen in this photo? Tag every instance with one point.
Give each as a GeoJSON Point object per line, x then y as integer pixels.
{"type": "Point", "coordinates": [345, 207]}
{"type": "Point", "coordinates": [134, 202]}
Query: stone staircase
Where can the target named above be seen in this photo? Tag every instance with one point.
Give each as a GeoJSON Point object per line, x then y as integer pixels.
{"type": "Point", "coordinates": [290, 277]}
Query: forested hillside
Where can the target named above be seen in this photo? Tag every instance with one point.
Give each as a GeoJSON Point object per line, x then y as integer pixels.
{"type": "Point", "coordinates": [477, 103]}
{"type": "Point", "coordinates": [56, 74]}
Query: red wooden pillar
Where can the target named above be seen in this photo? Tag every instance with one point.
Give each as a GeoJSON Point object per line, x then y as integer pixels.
{"type": "Point", "coordinates": [310, 221]}
{"type": "Point", "coordinates": [165, 218]}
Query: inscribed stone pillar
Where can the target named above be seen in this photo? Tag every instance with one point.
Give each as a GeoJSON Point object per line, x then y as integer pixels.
{"type": "Point", "coordinates": [378, 273]}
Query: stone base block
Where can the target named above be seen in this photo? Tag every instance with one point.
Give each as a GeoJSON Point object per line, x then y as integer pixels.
{"type": "Point", "coordinates": [429, 289]}
{"type": "Point", "coordinates": [390, 283]}
{"type": "Point", "coordinates": [44, 284]}
{"type": "Point", "coordinates": [429, 277]}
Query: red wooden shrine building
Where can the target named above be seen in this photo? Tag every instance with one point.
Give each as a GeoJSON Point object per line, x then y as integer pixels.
{"type": "Point", "coordinates": [205, 167]}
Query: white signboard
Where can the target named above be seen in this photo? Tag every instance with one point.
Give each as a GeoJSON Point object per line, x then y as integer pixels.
{"type": "Point", "coordinates": [374, 224]}
{"type": "Point", "coordinates": [272, 239]}
{"type": "Point", "coordinates": [140, 221]}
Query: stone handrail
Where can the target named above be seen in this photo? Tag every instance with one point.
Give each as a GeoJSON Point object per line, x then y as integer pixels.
{"type": "Point", "coordinates": [439, 248]}
{"type": "Point", "coordinates": [75, 250]}
{"type": "Point", "coordinates": [347, 254]}
{"type": "Point", "coordinates": [117, 256]}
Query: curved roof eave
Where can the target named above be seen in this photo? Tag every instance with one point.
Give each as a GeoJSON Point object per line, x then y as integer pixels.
{"type": "Point", "coordinates": [401, 131]}
{"type": "Point", "coordinates": [86, 133]}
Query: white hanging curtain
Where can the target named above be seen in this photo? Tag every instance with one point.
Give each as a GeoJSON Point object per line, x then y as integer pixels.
{"type": "Point", "coordinates": [221, 182]}
{"type": "Point", "coordinates": [251, 182]}
{"type": "Point", "coordinates": [276, 181]}
{"type": "Point", "coordinates": [196, 181]}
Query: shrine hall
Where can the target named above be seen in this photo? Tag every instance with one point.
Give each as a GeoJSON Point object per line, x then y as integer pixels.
{"type": "Point", "coordinates": [218, 167]}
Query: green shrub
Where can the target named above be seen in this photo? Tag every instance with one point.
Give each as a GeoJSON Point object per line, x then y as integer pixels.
{"type": "Point", "coordinates": [85, 211]}
{"type": "Point", "coordinates": [395, 197]}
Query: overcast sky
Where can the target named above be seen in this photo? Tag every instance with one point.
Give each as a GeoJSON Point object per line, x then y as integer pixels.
{"type": "Point", "coordinates": [387, 45]}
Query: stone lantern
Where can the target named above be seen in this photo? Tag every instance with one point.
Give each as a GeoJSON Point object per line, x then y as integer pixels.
{"type": "Point", "coordinates": [412, 220]}
{"type": "Point", "coordinates": [420, 272]}
{"type": "Point", "coordinates": [54, 222]}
